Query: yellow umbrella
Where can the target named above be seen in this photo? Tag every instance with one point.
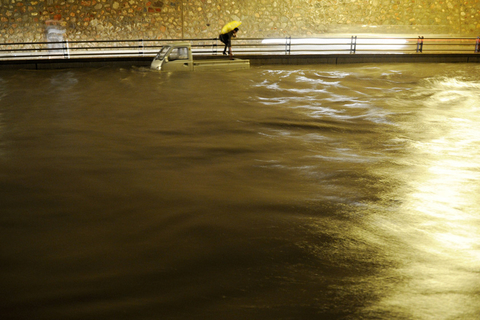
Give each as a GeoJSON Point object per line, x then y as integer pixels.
{"type": "Point", "coordinates": [230, 26]}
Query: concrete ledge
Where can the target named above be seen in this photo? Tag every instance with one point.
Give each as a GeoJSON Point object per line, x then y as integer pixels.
{"type": "Point", "coordinates": [364, 58]}
{"type": "Point", "coordinates": [255, 60]}
{"type": "Point", "coordinates": [75, 63]}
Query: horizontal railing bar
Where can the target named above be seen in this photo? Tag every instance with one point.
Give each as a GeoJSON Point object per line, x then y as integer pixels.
{"type": "Point", "coordinates": [214, 39]}
{"type": "Point", "coordinates": [79, 48]}
{"type": "Point", "coordinates": [105, 41]}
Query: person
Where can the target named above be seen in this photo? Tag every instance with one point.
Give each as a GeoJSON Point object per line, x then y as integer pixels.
{"type": "Point", "coordinates": [226, 38]}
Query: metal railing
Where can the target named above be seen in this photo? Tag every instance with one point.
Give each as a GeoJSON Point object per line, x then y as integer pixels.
{"type": "Point", "coordinates": [246, 46]}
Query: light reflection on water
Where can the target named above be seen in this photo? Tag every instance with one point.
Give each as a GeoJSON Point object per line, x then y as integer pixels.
{"type": "Point", "coordinates": [271, 193]}
{"type": "Point", "coordinates": [441, 202]}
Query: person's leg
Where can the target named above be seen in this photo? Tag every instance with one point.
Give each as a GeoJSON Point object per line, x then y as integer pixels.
{"type": "Point", "coordinates": [222, 40]}
{"type": "Point", "coordinates": [228, 44]}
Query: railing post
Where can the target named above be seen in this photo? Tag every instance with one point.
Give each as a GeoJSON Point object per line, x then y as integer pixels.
{"type": "Point", "coordinates": [353, 44]}
{"type": "Point", "coordinates": [66, 50]}
{"type": "Point", "coordinates": [477, 45]}
{"type": "Point", "coordinates": [142, 46]}
{"type": "Point", "coordinates": [420, 44]}
{"type": "Point", "coordinates": [288, 45]}
{"type": "Point", "coordinates": [214, 46]}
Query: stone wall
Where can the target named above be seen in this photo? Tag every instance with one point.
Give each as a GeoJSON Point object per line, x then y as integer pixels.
{"type": "Point", "coordinates": [29, 20]}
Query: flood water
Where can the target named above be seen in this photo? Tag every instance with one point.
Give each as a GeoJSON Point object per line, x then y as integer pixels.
{"type": "Point", "coordinates": [285, 192]}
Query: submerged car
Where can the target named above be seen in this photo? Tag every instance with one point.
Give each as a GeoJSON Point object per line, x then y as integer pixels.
{"type": "Point", "coordinates": [178, 57]}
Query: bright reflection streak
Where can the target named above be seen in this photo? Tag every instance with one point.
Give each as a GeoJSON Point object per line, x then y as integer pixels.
{"type": "Point", "coordinates": [429, 222]}
{"type": "Point", "coordinates": [339, 43]}
{"type": "Point", "coordinates": [441, 231]}
{"type": "Point", "coordinates": [308, 41]}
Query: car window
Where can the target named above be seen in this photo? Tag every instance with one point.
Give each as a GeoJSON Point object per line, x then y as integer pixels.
{"type": "Point", "coordinates": [162, 53]}
{"type": "Point", "coordinates": [180, 53]}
